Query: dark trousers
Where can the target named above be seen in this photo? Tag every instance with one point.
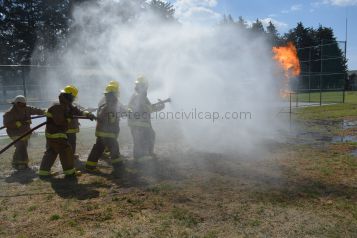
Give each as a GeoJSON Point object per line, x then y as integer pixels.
{"type": "Point", "coordinates": [99, 147]}
{"type": "Point", "coordinates": [20, 156]}
{"type": "Point", "coordinates": [144, 141]}
{"type": "Point", "coordinates": [72, 140]}
{"type": "Point", "coordinates": [55, 147]}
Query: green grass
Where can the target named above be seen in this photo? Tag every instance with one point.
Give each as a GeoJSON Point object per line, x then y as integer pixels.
{"type": "Point", "coordinates": [326, 97]}
{"type": "Point", "coordinates": [328, 112]}
{"type": "Point", "coordinates": [55, 217]}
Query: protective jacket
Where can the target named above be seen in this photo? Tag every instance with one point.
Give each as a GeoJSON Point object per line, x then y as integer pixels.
{"type": "Point", "coordinates": [108, 117]}
{"type": "Point", "coordinates": [60, 120]}
{"type": "Point", "coordinates": [18, 119]}
{"type": "Point", "coordinates": [140, 109]}
{"type": "Point", "coordinates": [73, 126]}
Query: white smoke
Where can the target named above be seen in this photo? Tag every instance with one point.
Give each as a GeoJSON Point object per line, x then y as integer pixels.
{"type": "Point", "coordinates": [202, 68]}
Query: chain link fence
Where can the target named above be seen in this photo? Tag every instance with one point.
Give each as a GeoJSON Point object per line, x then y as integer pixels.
{"type": "Point", "coordinates": [323, 75]}
{"type": "Point", "coordinates": [41, 84]}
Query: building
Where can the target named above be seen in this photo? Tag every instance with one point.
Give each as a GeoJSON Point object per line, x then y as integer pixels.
{"type": "Point", "coordinates": [352, 80]}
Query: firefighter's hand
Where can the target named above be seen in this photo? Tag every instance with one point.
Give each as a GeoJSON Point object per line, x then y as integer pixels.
{"type": "Point", "coordinates": [91, 116]}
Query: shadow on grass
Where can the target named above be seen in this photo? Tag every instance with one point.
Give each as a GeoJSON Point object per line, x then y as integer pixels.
{"type": "Point", "coordinates": [70, 188]}
{"type": "Point", "coordinates": [22, 177]}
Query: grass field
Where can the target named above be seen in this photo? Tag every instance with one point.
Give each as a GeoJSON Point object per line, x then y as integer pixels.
{"type": "Point", "coordinates": [326, 97]}
{"type": "Point", "coordinates": [303, 187]}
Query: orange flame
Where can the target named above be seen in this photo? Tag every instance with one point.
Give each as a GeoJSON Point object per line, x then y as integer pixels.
{"type": "Point", "coordinates": [288, 59]}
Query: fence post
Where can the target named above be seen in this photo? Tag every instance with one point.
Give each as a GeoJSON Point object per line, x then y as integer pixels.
{"type": "Point", "coordinates": [24, 82]}
{"type": "Point", "coordinates": [321, 65]}
{"type": "Point", "coordinates": [344, 96]}
{"type": "Point", "coordinates": [310, 75]}
{"type": "Point", "coordinates": [290, 102]}
{"type": "Point", "coordinates": [346, 75]}
{"type": "Point", "coordinates": [297, 99]}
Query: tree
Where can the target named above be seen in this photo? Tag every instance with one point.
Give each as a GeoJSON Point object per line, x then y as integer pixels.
{"type": "Point", "coordinates": [334, 64]}
{"type": "Point", "coordinates": [227, 20]}
{"type": "Point", "coordinates": [257, 27]}
{"type": "Point", "coordinates": [273, 34]}
{"type": "Point", "coordinates": [242, 23]}
{"type": "Point", "coordinates": [163, 9]}
{"type": "Point", "coordinates": [18, 30]}
{"type": "Point", "coordinates": [323, 64]}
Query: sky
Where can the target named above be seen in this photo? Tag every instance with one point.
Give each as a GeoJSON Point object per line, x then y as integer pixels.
{"type": "Point", "coordinates": [283, 13]}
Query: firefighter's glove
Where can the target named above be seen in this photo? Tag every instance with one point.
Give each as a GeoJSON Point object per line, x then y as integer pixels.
{"type": "Point", "coordinates": [160, 106]}
{"type": "Point", "coordinates": [91, 116]}
{"type": "Point", "coordinates": [18, 124]}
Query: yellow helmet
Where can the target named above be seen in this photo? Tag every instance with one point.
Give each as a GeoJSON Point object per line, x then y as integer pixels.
{"type": "Point", "coordinates": [115, 83]}
{"type": "Point", "coordinates": [142, 82]}
{"type": "Point", "coordinates": [111, 89]}
{"type": "Point", "coordinates": [70, 89]}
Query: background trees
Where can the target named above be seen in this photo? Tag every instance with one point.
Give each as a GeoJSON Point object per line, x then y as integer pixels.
{"type": "Point", "coordinates": [322, 60]}
{"type": "Point", "coordinates": [31, 30]}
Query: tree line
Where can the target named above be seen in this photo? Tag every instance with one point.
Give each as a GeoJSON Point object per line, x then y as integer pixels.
{"type": "Point", "coordinates": [31, 30]}
{"type": "Point", "coordinates": [322, 57]}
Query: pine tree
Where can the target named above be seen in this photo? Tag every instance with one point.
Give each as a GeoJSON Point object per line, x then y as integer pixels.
{"type": "Point", "coordinates": [164, 9]}
{"type": "Point", "coordinates": [258, 27]}
{"type": "Point", "coordinates": [242, 23]}
{"type": "Point", "coordinates": [18, 30]}
{"type": "Point", "coordinates": [227, 20]}
{"type": "Point", "coordinates": [273, 34]}
{"type": "Point", "coordinates": [334, 64]}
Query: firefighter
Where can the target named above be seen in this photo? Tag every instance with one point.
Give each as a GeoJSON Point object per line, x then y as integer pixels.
{"type": "Point", "coordinates": [106, 153]}
{"type": "Point", "coordinates": [58, 120]}
{"type": "Point", "coordinates": [107, 131]}
{"type": "Point", "coordinates": [17, 122]}
{"type": "Point", "coordinates": [73, 130]}
{"type": "Point", "coordinates": [115, 84]}
{"type": "Point", "coordinates": [139, 121]}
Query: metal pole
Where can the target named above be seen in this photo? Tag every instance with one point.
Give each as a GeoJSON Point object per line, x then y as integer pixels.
{"type": "Point", "coordinates": [346, 75]}
{"type": "Point", "coordinates": [290, 102]}
{"type": "Point", "coordinates": [322, 41]}
{"type": "Point", "coordinates": [24, 82]}
{"type": "Point", "coordinates": [297, 98]}
{"type": "Point", "coordinates": [310, 75]}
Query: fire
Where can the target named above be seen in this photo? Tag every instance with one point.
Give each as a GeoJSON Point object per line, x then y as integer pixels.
{"type": "Point", "coordinates": [288, 59]}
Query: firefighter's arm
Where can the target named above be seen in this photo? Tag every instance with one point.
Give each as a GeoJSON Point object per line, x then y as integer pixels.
{"type": "Point", "coordinates": [76, 111]}
{"type": "Point", "coordinates": [157, 107]}
{"type": "Point", "coordinates": [123, 110]}
{"type": "Point", "coordinates": [10, 122]}
{"type": "Point", "coordinates": [102, 114]}
{"type": "Point", "coordinates": [36, 111]}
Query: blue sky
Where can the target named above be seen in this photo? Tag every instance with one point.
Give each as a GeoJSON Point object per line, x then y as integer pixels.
{"type": "Point", "coordinates": [284, 14]}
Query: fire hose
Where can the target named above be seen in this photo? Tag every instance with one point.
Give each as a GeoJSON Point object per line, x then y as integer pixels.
{"type": "Point", "coordinates": [89, 109]}
{"type": "Point", "coordinates": [32, 130]}
{"type": "Point", "coordinates": [3, 127]}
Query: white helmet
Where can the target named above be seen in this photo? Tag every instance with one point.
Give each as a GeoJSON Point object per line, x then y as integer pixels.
{"type": "Point", "coordinates": [19, 99]}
